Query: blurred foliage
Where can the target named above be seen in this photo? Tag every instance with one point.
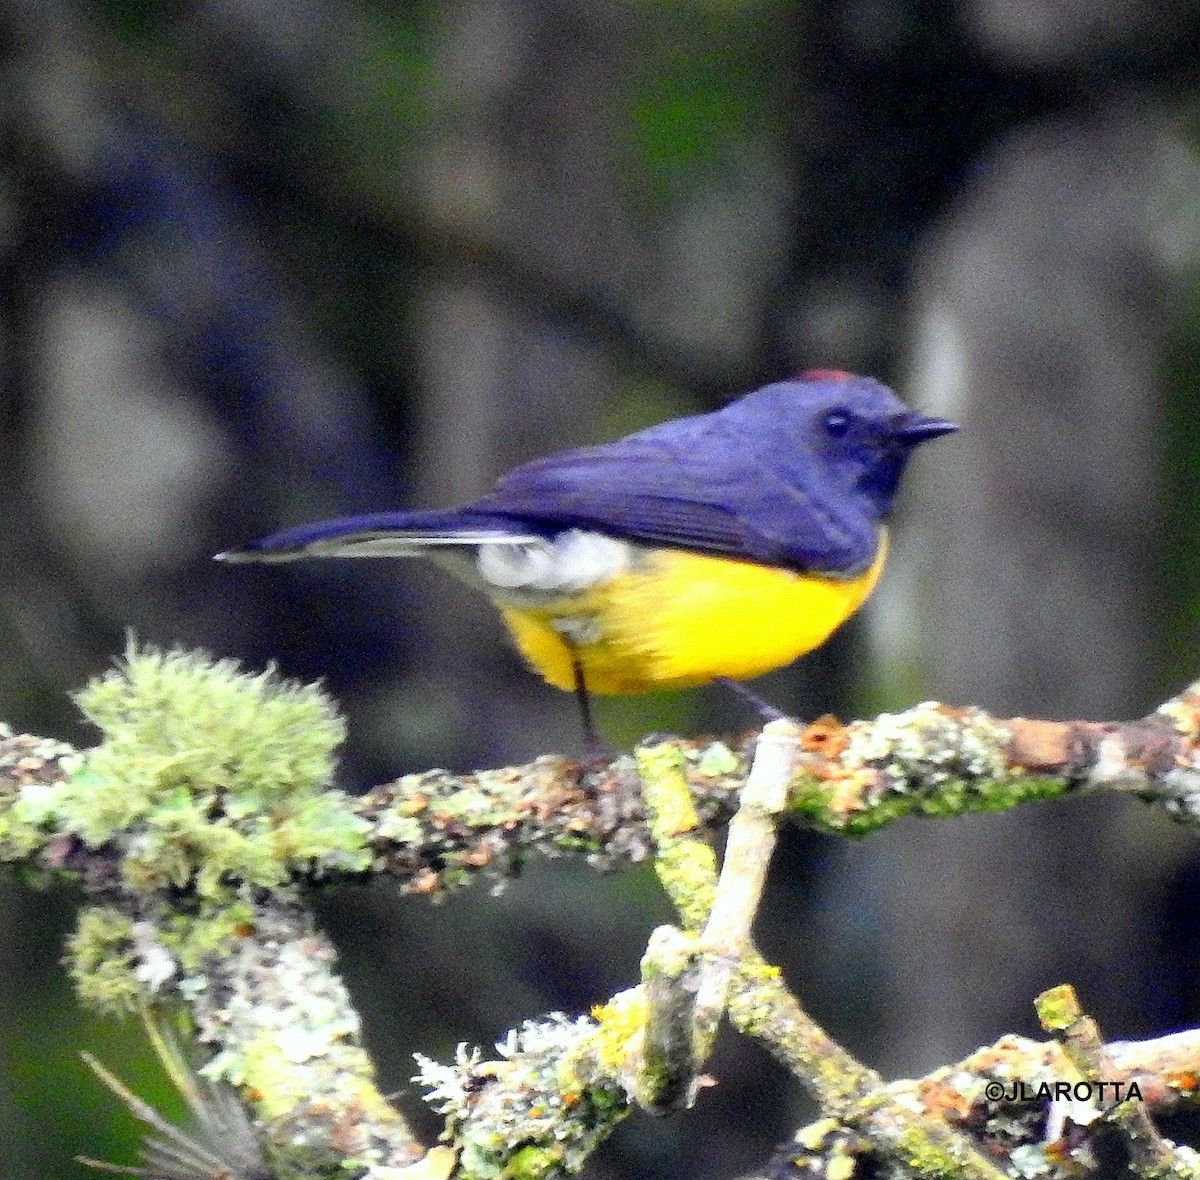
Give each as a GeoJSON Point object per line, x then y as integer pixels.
{"type": "Point", "coordinates": [707, 86]}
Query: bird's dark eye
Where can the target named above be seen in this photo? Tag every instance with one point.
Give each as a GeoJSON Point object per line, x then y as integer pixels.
{"type": "Point", "coordinates": [837, 423]}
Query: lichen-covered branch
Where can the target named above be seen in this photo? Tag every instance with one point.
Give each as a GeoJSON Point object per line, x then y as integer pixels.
{"type": "Point", "coordinates": [436, 830]}
{"type": "Point", "coordinates": [937, 760]}
{"type": "Point", "coordinates": [1150, 1154]}
{"type": "Point", "coordinates": [1028, 1107]}
{"type": "Point", "coordinates": [207, 804]}
{"type": "Point", "coordinates": [649, 1043]}
{"type": "Point", "coordinates": [760, 1005]}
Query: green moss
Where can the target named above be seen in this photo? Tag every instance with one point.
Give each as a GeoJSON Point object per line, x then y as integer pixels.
{"type": "Point", "coordinates": [1057, 1007]}
{"type": "Point", "coordinates": [100, 958]}
{"type": "Point", "coordinates": [456, 876]}
{"type": "Point", "coordinates": [931, 744]}
{"type": "Point", "coordinates": [532, 1162]}
{"type": "Point", "coordinates": [174, 719]}
{"type": "Point", "coordinates": [210, 933]}
{"type": "Point", "coordinates": [574, 842]}
{"type": "Point", "coordinates": [909, 786]}
{"type": "Point", "coordinates": [208, 776]}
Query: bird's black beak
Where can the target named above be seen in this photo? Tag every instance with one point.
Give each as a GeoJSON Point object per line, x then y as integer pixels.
{"type": "Point", "coordinates": [915, 428]}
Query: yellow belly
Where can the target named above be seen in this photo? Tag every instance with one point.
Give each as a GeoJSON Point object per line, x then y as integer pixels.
{"type": "Point", "coordinates": [679, 619]}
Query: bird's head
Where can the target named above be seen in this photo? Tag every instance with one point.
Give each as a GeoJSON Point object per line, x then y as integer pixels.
{"type": "Point", "coordinates": [851, 432]}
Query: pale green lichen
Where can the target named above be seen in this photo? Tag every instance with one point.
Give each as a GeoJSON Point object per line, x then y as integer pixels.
{"type": "Point", "coordinates": [398, 827]}
{"type": "Point", "coordinates": [199, 720]}
{"type": "Point", "coordinates": [102, 959]}
{"type": "Point", "coordinates": [209, 783]}
{"type": "Point", "coordinates": [525, 1115]}
{"type": "Point", "coordinates": [929, 760]}
{"type": "Point", "coordinates": [686, 866]}
{"type": "Point", "coordinates": [716, 760]}
{"type": "Point", "coordinates": [267, 1063]}
{"type": "Point", "coordinates": [20, 835]}
{"type": "Point", "coordinates": [117, 962]}
{"type": "Point", "coordinates": [483, 822]}
{"type": "Point", "coordinates": [22, 811]}
{"type": "Point", "coordinates": [289, 1036]}
{"type": "Point", "coordinates": [195, 938]}
{"type": "Point", "coordinates": [930, 744]}
{"type": "Point", "coordinates": [208, 776]}
{"type": "Point", "coordinates": [481, 804]}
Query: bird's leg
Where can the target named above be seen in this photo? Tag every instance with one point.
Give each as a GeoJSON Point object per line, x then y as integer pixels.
{"type": "Point", "coordinates": [594, 749]}
{"type": "Point", "coordinates": [767, 712]}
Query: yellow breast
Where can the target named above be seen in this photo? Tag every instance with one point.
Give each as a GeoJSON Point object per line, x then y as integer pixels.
{"type": "Point", "coordinates": [676, 619]}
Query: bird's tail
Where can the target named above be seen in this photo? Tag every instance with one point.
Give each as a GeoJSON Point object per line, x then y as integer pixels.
{"type": "Point", "coordinates": [384, 534]}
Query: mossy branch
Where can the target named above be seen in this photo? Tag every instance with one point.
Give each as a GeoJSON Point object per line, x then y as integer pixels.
{"type": "Point", "coordinates": [200, 823]}
{"type": "Point", "coordinates": [208, 803]}
{"type": "Point", "coordinates": [1032, 1108]}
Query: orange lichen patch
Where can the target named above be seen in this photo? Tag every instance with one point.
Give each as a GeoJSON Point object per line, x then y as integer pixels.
{"type": "Point", "coordinates": [1061, 1153]}
{"type": "Point", "coordinates": [826, 736]}
{"type": "Point", "coordinates": [943, 1100]}
{"type": "Point", "coordinates": [479, 856]}
{"type": "Point", "coordinates": [424, 882]}
{"type": "Point", "coordinates": [1038, 745]}
{"type": "Point", "coordinates": [964, 716]}
{"type": "Point", "coordinates": [345, 1133]}
{"type": "Point", "coordinates": [1185, 1081]}
{"type": "Point", "coordinates": [986, 1059]}
{"type": "Point", "coordinates": [553, 799]}
{"type": "Point", "coordinates": [1015, 1056]}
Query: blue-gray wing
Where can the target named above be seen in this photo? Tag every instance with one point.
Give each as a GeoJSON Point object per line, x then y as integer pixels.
{"type": "Point", "coordinates": [705, 498]}
{"type": "Point", "coordinates": [687, 484]}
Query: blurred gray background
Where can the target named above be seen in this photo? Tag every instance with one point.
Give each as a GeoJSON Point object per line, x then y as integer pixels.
{"type": "Point", "coordinates": [267, 262]}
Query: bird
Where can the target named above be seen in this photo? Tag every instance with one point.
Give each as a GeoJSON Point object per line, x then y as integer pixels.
{"type": "Point", "coordinates": [714, 547]}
